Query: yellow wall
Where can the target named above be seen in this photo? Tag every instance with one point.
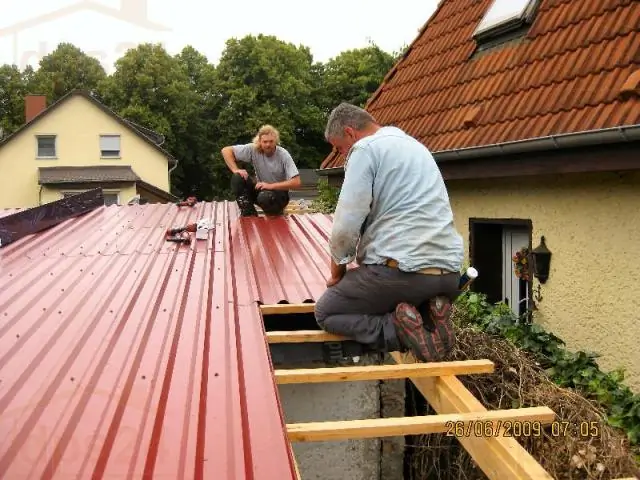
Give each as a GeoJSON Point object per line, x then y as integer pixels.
{"type": "Point", "coordinates": [591, 224]}
{"type": "Point", "coordinates": [78, 125]}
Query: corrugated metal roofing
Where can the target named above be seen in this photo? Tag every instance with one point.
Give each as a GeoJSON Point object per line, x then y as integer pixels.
{"type": "Point", "coordinates": [125, 356]}
{"type": "Point", "coordinates": [575, 70]}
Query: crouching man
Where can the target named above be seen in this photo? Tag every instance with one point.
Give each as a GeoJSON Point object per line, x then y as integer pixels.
{"type": "Point", "coordinates": [394, 218]}
{"type": "Point", "coordinates": [275, 171]}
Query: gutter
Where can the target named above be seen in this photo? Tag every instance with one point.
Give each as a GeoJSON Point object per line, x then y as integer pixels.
{"type": "Point", "coordinates": [623, 134]}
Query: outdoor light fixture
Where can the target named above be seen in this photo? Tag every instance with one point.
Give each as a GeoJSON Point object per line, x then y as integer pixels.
{"type": "Point", "coordinates": [541, 261]}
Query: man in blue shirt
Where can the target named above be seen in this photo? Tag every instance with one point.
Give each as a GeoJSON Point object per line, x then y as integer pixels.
{"type": "Point", "coordinates": [394, 219]}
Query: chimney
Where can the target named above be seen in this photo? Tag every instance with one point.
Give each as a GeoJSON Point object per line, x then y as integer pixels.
{"type": "Point", "coordinates": [34, 105]}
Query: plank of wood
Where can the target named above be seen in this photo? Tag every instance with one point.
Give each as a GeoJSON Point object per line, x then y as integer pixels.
{"type": "Point", "coordinates": [498, 457]}
{"type": "Point", "coordinates": [303, 336]}
{"type": "Point", "coordinates": [287, 308]}
{"type": "Point", "coordinates": [296, 468]}
{"type": "Point", "coordinates": [382, 372]}
{"type": "Point", "coordinates": [477, 423]}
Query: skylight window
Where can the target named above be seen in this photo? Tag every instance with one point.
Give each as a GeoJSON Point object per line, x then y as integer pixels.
{"type": "Point", "coordinates": [504, 16]}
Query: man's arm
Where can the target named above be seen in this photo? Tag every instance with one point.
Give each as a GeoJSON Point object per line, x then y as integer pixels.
{"type": "Point", "coordinates": [236, 153]}
{"type": "Point", "coordinates": [354, 204]}
{"type": "Point", "coordinates": [291, 171]}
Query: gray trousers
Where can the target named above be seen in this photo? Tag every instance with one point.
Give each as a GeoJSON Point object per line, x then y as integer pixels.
{"type": "Point", "coordinates": [361, 305]}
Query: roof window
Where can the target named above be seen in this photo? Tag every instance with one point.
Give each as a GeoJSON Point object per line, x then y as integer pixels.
{"type": "Point", "coordinates": [505, 17]}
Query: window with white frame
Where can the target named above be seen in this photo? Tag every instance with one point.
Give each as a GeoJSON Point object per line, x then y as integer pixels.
{"type": "Point", "coordinates": [110, 146]}
{"type": "Point", "coordinates": [504, 16]}
{"type": "Point", "coordinates": [46, 146]}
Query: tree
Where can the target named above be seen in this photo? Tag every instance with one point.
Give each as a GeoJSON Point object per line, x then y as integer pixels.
{"type": "Point", "coordinates": [65, 69]}
{"type": "Point", "coordinates": [12, 92]}
{"type": "Point", "coordinates": [153, 88]}
{"type": "Point", "coordinates": [354, 75]}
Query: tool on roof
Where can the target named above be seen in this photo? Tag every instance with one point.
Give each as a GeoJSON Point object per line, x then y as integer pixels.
{"type": "Point", "coordinates": [189, 202]}
{"type": "Point", "coordinates": [181, 234]}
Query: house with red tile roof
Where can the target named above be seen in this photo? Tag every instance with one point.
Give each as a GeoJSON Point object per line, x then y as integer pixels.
{"type": "Point", "coordinates": [531, 109]}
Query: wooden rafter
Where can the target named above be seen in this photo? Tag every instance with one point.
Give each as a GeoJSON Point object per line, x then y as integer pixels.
{"type": "Point", "coordinates": [287, 308]}
{"type": "Point", "coordinates": [382, 372]}
{"type": "Point", "coordinates": [498, 456]}
{"type": "Point", "coordinates": [468, 424]}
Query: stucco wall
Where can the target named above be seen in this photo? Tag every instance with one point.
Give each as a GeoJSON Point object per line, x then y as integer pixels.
{"type": "Point", "coordinates": [78, 125]}
{"type": "Point", "coordinates": [591, 224]}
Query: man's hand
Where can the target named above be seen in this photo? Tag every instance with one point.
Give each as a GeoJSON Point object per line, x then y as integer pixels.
{"type": "Point", "coordinates": [243, 173]}
{"type": "Point", "coordinates": [263, 186]}
{"type": "Point", "coordinates": [337, 272]}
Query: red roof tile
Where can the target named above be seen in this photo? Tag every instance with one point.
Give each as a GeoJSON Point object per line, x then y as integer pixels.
{"type": "Point", "coordinates": [568, 74]}
{"type": "Point", "coordinates": [122, 355]}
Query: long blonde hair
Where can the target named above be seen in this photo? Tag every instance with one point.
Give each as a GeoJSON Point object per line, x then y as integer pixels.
{"type": "Point", "coordinates": [266, 130]}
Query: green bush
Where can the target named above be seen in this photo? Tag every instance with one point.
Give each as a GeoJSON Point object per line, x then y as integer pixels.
{"type": "Point", "coordinates": [578, 370]}
{"type": "Point", "coordinates": [327, 198]}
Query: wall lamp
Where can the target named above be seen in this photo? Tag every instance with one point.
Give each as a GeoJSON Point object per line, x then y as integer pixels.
{"type": "Point", "coordinates": [541, 261]}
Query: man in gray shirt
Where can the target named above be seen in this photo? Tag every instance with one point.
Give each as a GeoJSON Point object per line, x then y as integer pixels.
{"type": "Point", "coordinates": [394, 219]}
{"type": "Point", "coordinates": [276, 173]}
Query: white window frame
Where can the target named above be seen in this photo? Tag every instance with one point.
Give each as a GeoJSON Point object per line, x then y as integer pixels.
{"type": "Point", "coordinates": [110, 135]}
{"type": "Point", "coordinates": [55, 146]}
{"type": "Point", "coordinates": [505, 24]}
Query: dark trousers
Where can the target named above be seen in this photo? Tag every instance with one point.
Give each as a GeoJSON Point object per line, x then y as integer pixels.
{"type": "Point", "coordinates": [361, 305]}
{"type": "Point", "coordinates": [272, 202]}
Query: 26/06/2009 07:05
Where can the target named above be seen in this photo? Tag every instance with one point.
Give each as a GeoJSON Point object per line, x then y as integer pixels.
{"type": "Point", "coordinates": [521, 428]}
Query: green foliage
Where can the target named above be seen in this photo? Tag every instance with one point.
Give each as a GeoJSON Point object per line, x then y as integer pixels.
{"type": "Point", "coordinates": [577, 370]}
{"type": "Point", "coordinates": [327, 198]}
{"type": "Point", "coordinates": [65, 69]}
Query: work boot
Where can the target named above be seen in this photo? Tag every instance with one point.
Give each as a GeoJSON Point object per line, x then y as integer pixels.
{"type": "Point", "coordinates": [247, 208]}
{"type": "Point", "coordinates": [412, 334]}
{"type": "Point", "coordinates": [440, 310]}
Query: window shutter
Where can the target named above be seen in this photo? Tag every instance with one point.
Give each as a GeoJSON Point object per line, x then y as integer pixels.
{"type": "Point", "coordinates": [110, 145]}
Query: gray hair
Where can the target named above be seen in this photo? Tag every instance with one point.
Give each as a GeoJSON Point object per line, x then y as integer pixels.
{"type": "Point", "coordinates": [346, 115]}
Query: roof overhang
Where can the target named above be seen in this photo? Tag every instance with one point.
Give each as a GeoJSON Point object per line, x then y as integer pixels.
{"type": "Point", "coordinates": [91, 174]}
{"type": "Point", "coordinates": [539, 156]}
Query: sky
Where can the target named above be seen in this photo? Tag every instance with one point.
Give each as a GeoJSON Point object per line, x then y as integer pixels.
{"type": "Point", "coordinates": [105, 29]}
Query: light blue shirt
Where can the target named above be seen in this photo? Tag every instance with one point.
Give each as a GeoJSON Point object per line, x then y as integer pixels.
{"type": "Point", "coordinates": [394, 205]}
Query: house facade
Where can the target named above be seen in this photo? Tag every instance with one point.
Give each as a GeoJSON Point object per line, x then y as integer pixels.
{"type": "Point", "coordinates": [78, 144]}
{"type": "Point", "coordinates": [532, 111]}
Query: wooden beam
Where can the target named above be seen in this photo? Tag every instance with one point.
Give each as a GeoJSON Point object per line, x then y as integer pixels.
{"type": "Point", "coordinates": [296, 468]}
{"type": "Point", "coordinates": [287, 308]}
{"type": "Point", "coordinates": [382, 372]}
{"type": "Point", "coordinates": [303, 336]}
{"type": "Point", "coordinates": [469, 424]}
{"type": "Point", "coordinates": [498, 457]}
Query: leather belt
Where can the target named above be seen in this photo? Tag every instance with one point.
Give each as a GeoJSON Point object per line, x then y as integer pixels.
{"type": "Point", "coordinates": [424, 271]}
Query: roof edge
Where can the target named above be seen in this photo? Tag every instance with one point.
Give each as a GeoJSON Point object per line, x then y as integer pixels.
{"type": "Point", "coordinates": [327, 172]}
{"type": "Point", "coordinates": [622, 134]}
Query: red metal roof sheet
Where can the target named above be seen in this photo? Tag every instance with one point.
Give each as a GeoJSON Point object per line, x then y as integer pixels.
{"type": "Point", "coordinates": [122, 355]}
{"type": "Point", "coordinates": [573, 72]}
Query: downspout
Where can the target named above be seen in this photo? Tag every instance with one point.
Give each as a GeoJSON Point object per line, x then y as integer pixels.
{"type": "Point", "coordinates": [171, 170]}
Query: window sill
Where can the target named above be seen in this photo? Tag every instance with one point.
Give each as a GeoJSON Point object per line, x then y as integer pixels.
{"type": "Point", "coordinates": [110, 158]}
{"type": "Point", "coordinates": [46, 158]}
